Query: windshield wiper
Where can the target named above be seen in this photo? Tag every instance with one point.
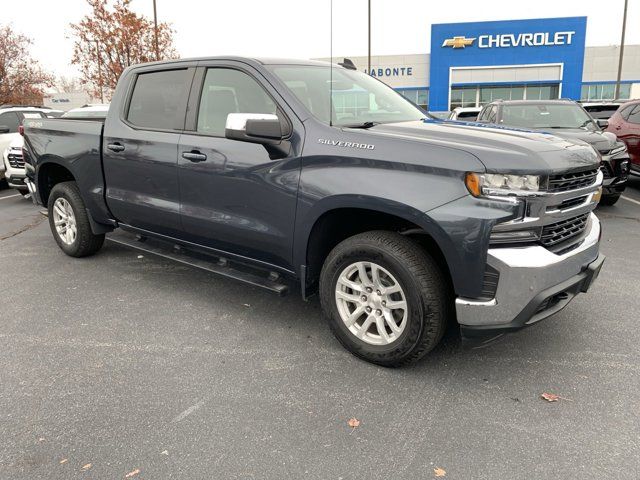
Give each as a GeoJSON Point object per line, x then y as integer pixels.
{"type": "Point", "coordinates": [363, 125]}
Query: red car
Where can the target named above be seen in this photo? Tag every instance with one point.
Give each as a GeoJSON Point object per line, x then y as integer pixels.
{"type": "Point", "coordinates": [625, 123]}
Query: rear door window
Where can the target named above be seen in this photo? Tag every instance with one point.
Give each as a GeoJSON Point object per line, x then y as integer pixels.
{"type": "Point", "coordinates": [156, 101]}
{"type": "Point", "coordinates": [11, 120]}
{"type": "Point", "coordinates": [33, 115]}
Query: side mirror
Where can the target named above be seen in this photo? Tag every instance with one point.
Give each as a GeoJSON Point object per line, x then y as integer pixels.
{"type": "Point", "coordinates": [602, 123]}
{"type": "Point", "coordinates": [254, 128]}
{"type": "Point", "coordinates": [4, 129]}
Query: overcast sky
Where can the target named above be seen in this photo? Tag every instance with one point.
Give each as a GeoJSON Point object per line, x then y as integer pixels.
{"type": "Point", "coordinates": [300, 28]}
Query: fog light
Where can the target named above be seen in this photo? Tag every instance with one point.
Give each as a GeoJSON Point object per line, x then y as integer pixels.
{"type": "Point", "coordinates": [624, 166]}
{"type": "Point", "coordinates": [597, 195]}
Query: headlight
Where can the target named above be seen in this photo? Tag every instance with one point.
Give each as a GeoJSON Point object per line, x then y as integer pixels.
{"type": "Point", "coordinates": [497, 184]}
{"type": "Point", "coordinates": [618, 148]}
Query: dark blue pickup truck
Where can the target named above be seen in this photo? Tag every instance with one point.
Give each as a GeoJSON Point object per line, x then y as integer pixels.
{"type": "Point", "coordinates": [273, 171]}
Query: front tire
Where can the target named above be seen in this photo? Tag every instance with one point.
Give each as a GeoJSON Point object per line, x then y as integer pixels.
{"type": "Point", "coordinates": [609, 200]}
{"type": "Point", "coordinates": [69, 222]}
{"type": "Point", "coordinates": [386, 299]}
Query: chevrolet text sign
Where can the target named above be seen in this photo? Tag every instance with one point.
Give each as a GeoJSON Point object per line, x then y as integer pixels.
{"type": "Point", "coordinates": [525, 39]}
{"type": "Point", "coordinates": [511, 43]}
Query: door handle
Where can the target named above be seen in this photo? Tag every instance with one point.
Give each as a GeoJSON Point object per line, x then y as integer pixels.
{"type": "Point", "coordinates": [194, 156]}
{"type": "Point", "coordinates": [115, 147]}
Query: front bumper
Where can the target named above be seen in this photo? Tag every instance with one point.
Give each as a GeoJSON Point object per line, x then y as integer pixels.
{"type": "Point", "coordinates": [534, 283]}
{"type": "Point", "coordinates": [16, 181]}
{"type": "Point", "coordinates": [615, 174]}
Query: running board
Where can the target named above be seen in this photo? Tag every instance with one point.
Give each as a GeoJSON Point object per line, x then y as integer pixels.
{"type": "Point", "coordinates": [272, 281]}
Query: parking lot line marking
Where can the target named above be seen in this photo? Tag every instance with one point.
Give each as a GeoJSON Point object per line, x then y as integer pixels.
{"type": "Point", "coordinates": [631, 200]}
{"type": "Point", "coordinates": [10, 196]}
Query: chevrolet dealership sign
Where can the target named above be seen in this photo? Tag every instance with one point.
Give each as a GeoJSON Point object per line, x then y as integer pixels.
{"type": "Point", "coordinates": [508, 40]}
{"type": "Point", "coordinates": [506, 43]}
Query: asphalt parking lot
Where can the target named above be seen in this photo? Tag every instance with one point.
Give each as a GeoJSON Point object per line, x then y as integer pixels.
{"type": "Point", "coordinates": [115, 363]}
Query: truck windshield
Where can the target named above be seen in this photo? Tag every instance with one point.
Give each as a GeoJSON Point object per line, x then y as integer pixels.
{"type": "Point", "coordinates": [539, 115]}
{"type": "Point", "coordinates": [357, 99]}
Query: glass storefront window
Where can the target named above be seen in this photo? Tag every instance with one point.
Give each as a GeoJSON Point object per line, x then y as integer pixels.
{"type": "Point", "coordinates": [463, 97]}
{"type": "Point", "coordinates": [466, 97]}
{"type": "Point", "coordinates": [423, 98]}
{"type": "Point", "coordinates": [419, 96]}
{"type": "Point", "coordinates": [599, 92]}
{"type": "Point", "coordinates": [408, 94]}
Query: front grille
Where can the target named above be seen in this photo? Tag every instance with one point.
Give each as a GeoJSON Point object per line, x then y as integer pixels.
{"type": "Point", "coordinates": [571, 181]}
{"type": "Point", "coordinates": [560, 231]}
{"type": "Point", "coordinates": [606, 172]}
{"type": "Point", "coordinates": [572, 202]}
{"type": "Point", "coordinates": [15, 160]}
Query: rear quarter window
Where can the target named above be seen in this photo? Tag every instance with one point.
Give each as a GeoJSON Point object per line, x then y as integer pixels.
{"type": "Point", "coordinates": [157, 99]}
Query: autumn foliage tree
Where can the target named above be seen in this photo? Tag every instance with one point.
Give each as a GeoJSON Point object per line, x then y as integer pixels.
{"type": "Point", "coordinates": [22, 80]}
{"type": "Point", "coordinates": [110, 39]}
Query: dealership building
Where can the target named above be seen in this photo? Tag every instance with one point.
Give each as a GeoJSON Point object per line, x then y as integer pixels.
{"type": "Point", "coordinates": [471, 64]}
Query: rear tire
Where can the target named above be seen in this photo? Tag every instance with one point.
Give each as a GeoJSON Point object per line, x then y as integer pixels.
{"type": "Point", "coordinates": [387, 335]}
{"type": "Point", "coordinates": [609, 200]}
{"type": "Point", "coordinates": [69, 222]}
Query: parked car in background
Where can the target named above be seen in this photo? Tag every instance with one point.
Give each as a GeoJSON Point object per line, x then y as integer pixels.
{"type": "Point", "coordinates": [54, 113]}
{"type": "Point", "coordinates": [602, 110]}
{"type": "Point", "coordinates": [88, 112]}
{"type": "Point", "coordinates": [625, 124]}
{"type": "Point", "coordinates": [444, 115]}
{"type": "Point", "coordinates": [465, 114]}
{"type": "Point", "coordinates": [393, 219]}
{"type": "Point", "coordinates": [14, 166]}
{"type": "Point", "coordinates": [568, 120]}
{"type": "Point", "coordinates": [11, 117]}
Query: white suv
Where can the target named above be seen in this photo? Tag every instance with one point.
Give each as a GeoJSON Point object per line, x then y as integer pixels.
{"type": "Point", "coordinates": [14, 166]}
{"type": "Point", "coordinates": [11, 117]}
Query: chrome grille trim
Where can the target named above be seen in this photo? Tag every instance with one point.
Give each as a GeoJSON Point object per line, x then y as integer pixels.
{"type": "Point", "coordinates": [15, 160]}
{"type": "Point", "coordinates": [559, 232]}
{"type": "Point", "coordinates": [570, 181]}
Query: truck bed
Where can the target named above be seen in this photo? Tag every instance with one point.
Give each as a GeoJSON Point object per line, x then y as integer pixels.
{"type": "Point", "coordinates": [75, 145]}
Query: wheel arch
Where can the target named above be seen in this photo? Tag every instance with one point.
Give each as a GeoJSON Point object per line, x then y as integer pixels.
{"type": "Point", "coordinates": [51, 171]}
{"type": "Point", "coordinates": [341, 218]}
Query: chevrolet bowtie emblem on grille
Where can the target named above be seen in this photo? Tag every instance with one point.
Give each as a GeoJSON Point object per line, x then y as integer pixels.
{"type": "Point", "coordinates": [458, 42]}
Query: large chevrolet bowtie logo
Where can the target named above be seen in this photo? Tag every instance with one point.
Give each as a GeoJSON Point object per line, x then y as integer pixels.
{"type": "Point", "coordinates": [458, 42]}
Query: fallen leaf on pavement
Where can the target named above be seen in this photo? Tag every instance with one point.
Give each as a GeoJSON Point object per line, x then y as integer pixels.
{"type": "Point", "coordinates": [439, 472]}
{"type": "Point", "coordinates": [552, 397]}
{"type": "Point", "coordinates": [133, 473]}
{"type": "Point", "coordinates": [64, 460]}
{"type": "Point", "coordinates": [86, 467]}
{"type": "Point", "coordinates": [353, 422]}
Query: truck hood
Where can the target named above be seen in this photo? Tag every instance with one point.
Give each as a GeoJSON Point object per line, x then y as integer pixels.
{"type": "Point", "coordinates": [500, 149]}
{"type": "Point", "coordinates": [601, 141]}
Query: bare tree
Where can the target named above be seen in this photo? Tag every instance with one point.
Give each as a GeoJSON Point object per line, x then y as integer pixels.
{"type": "Point", "coordinates": [22, 79]}
{"type": "Point", "coordinates": [68, 84]}
{"type": "Point", "coordinates": [110, 39]}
